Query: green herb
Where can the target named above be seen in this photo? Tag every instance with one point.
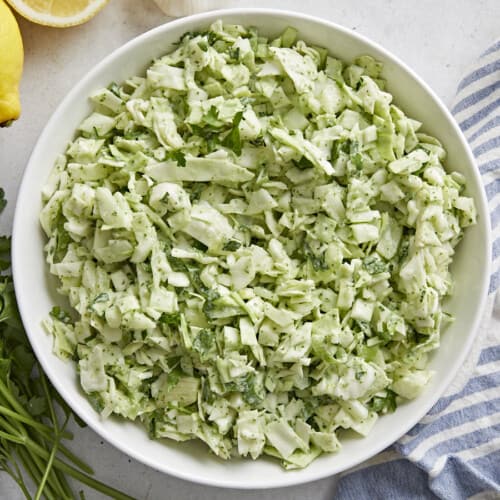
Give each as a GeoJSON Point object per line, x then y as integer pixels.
{"type": "Point", "coordinates": [60, 314]}
{"type": "Point", "coordinates": [211, 118]}
{"type": "Point", "coordinates": [114, 88]}
{"type": "Point", "coordinates": [374, 265]}
{"type": "Point", "coordinates": [357, 160]}
{"type": "Point", "coordinates": [173, 378]}
{"type": "Point", "coordinates": [209, 135]}
{"type": "Point", "coordinates": [303, 163]}
{"type": "Point", "coordinates": [172, 319]}
{"type": "Point", "coordinates": [317, 261]}
{"type": "Point", "coordinates": [231, 245]}
{"type": "Point", "coordinates": [233, 139]}
{"type": "Point", "coordinates": [179, 157]}
{"type": "Point", "coordinates": [403, 250]}
{"type": "Point", "coordinates": [177, 264]}
{"type": "Point", "coordinates": [100, 299]}
{"type": "Point", "coordinates": [234, 53]}
{"type": "Point", "coordinates": [385, 404]}
{"type": "Point", "coordinates": [247, 100]}
{"type": "Point", "coordinates": [196, 282]}
{"type": "Point", "coordinates": [210, 302]}
{"type": "Point", "coordinates": [259, 142]}
{"type": "Point", "coordinates": [204, 344]}
{"type": "Point", "coordinates": [199, 246]}
{"type": "Point", "coordinates": [203, 45]}
{"type": "Point", "coordinates": [250, 390]}
{"type": "Point", "coordinates": [211, 36]}
{"type": "Point", "coordinates": [63, 239]}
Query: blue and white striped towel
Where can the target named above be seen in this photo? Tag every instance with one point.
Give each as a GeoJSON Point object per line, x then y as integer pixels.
{"type": "Point", "coordinates": [454, 452]}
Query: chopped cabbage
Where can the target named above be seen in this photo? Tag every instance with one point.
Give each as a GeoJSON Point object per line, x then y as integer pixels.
{"type": "Point", "coordinates": [255, 241]}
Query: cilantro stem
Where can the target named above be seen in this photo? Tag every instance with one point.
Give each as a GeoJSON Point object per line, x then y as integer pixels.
{"type": "Point", "coordinates": [89, 481]}
{"type": "Point", "coordinates": [16, 476]}
{"type": "Point", "coordinates": [11, 430]}
{"type": "Point", "coordinates": [52, 485]}
{"type": "Point", "coordinates": [76, 461]}
{"type": "Point", "coordinates": [48, 469]}
{"type": "Point", "coordinates": [12, 400]}
{"type": "Point", "coordinates": [52, 456]}
{"type": "Point", "coordinates": [32, 423]}
{"type": "Point", "coordinates": [41, 452]}
{"type": "Point", "coordinates": [28, 465]}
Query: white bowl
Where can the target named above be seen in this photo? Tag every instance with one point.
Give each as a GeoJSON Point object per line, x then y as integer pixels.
{"type": "Point", "coordinates": [36, 295]}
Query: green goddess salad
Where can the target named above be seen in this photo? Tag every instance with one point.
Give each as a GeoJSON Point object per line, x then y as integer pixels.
{"type": "Point", "coordinates": [255, 243]}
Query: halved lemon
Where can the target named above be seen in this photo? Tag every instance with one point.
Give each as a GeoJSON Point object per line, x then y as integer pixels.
{"type": "Point", "coordinates": [58, 13]}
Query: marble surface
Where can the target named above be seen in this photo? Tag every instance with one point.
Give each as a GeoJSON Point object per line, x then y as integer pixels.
{"type": "Point", "coordinates": [438, 39]}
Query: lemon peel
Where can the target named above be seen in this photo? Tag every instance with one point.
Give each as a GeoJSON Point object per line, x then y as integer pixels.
{"type": "Point", "coordinates": [58, 13]}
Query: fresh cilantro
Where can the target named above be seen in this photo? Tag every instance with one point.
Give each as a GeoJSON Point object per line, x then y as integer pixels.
{"type": "Point", "coordinates": [317, 261]}
{"type": "Point", "coordinates": [61, 315]}
{"type": "Point", "coordinates": [212, 37]}
{"type": "Point", "coordinates": [195, 191]}
{"type": "Point", "coordinates": [231, 245]}
{"type": "Point", "coordinates": [211, 118]}
{"type": "Point", "coordinates": [210, 305]}
{"type": "Point", "coordinates": [203, 44]}
{"type": "Point", "coordinates": [173, 378]}
{"type": "Point", "coordinates": [247, 100]}
{"type": "Point", "coordinates": [178, 265]}
{"type": "Point", "coordinates": [63, 239]}
{"type": "Point", "coordinates": [403, 250]}
{"type": "Point", "coordinates": [357, 160]}
{"type": "Point", "coordinates": [179, 157]}
{"type": "Point", "coordinates": [206, 392]}
{"type": "Point", "coordinates": [250, 390]}
{"type": "Point", "coordinates": [102, 297]}
{"type": "Point", "coordinates": [303, 163]}
{"type": "Point", "coordinates": [209, 135]}
{"type": "Point", "coordinates": [233, 139]}
{"type": "Point", "coordinates": [171, 319]}
{"type": "Point", "coordinates": [234, 53]}
{"type": "Point", "coordinates": [340, 146]}
{"type": "Point", "coordinates": [114, 88]}
{"type": "Point", "coordinates": [190, 34]}
{"type": "Point", "coordinates": [258, 142]}
{"type": "Point", "coordinates": [99, 299]}
{"type": "Point", "coordinates": [196, 282]}
{"type": "Point", "coordinates": [199, 245]}
{"type": "Point", "coordinates": [374, 265]}
{"type": "Point", "coordinates": [385, 404]}
{"type": "Point", "coordinates": [204, 344]}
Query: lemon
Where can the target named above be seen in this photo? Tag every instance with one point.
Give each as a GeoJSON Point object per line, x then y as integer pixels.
{"type": "Point", "coordinates": [58, 13]}
{"type": "Point", "coordinates": [11, 65]}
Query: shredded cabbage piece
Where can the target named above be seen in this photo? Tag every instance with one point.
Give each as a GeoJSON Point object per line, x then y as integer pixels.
{"type": "Point", "coordinates": [255, 244]}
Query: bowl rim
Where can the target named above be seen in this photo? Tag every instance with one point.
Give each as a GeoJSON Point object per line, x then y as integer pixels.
{"type": "Point", "coordinates": [281, 480]}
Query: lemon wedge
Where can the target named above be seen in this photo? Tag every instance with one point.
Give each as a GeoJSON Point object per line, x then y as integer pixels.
{"type": "Point", "coordinates": [58, 13]}
{"type": "Point", "coordinates": [11, 65]}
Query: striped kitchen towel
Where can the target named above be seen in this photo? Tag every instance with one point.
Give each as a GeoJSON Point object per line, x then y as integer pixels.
{"type": "Point", "coordinates": [454, 452]}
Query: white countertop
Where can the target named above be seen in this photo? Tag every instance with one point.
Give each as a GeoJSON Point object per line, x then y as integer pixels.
{"type": "Point", "coordinates": [438, 39]}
